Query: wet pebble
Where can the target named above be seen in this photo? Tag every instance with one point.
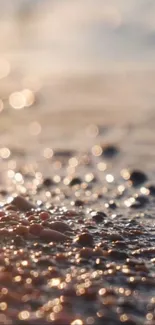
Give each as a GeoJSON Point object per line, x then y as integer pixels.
{"type": "Point", "coordinates": [22, 204]}
{"type": "Point", "coordinates": [98, 216]}
{"type": "Point", "coordinates": [75, 181]}
{"type": "Point", "coordinates": [85, 239]}
{"type": "Point", "coordinates": [137, 177]}
{"type": "Point", "coordinates": [60, 226]}
{"type": "Point", "coordinates": [52, 236]}
{"type": "Point", "coordinates": [110, 151]}
{"type": "Point", "coordinates": [48, 182]}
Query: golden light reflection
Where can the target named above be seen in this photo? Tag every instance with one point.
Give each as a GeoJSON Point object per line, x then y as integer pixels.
{"type": "Point", "coordinates": [18, 278]}
{"type": "Point", "coordinates": [129, 202]}
{"type": "Point", "coordinates": [4, 291]}
{"type": "Point", "coordinates": [54, 282]}
{"type": "Point", "coordinates": [19, 177]}
{"type": "Point", "coordinates": [109, 178]}
{"type": "Point", "coordinates": [29, 97]}
{"type": "Point", "coordinates": [89, 177]}
{"type": "Point", "coordinates": [23, 315]}
{"type": "Point", "coordinates": [121, 189]}
{"type": "Point", "coordinates": [144, 191]}
{"type": "Point", "coordinates": [48, 153]}
{"type": "Point", "coordinates": [97, 150]}
{"type": "Point", "coordinates": [123, 318]}
{"type": "Point", "coordinates": [3, 306]}
{"type": "Point", "coordinates": [66, 181]}
{"type": "Point", "coordinates": [90, 320]}
{"type": "Point", "coordinates": [125, 174]}
{"type": "Point", "coordinates": [101, 166]}
{"type": "Point", "coordinates": [57, 179]}
{"type": "Point", "coordinates": [5, 153]}
{"type": "Point", "coordinates": [77, 322]}
{"type": "Point", "coordinates": [73, 162]}
{"type": "Point", "coordinates": [149, 316]}
{"type": "Point", "coordinates": [17, 100]}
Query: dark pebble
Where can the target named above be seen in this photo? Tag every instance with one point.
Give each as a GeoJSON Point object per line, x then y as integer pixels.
{"type": "Point", "coordinates": [48, 182]}
{"type": "Point", "coordinates": [137, 177]}
{"type": "Point", "coordinates": [98, 216]}
{"type": "Point", "coordinates": [111, 205]}
{"type": "Point", "coordinates": [22, 204]}
{"type": "Point", "coordinates": [110, 151]}
{"type": "Point", "coordinates": [18, 240]}
{"type": "Point", "coordinates": [79, 203]}
{"type": "Point", "coordinates": [117, 254]}
{"type": "Point", "coordinates": [151, 188]}
{"type": "Point", "coordinates": [85, 239]}
{"type": "Point", "coordinates": [64, 153]}
{"type": "Point", "coordinates": [140, 202]}
{"type": "Point", "coordinates": [75, 181]}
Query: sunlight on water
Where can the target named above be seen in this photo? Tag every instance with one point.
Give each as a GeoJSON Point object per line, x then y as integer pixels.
{"type": "Point", "coordinates": [74, 57]}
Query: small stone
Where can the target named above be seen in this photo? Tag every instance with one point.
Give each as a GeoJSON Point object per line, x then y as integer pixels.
{"type": "Point", "coordinates": [141, 201]}
{"type": "Point", "coordinates": [117, 254]}
{"type": "Point", "coordinates": [85, 239]}
{"type": "Point", "coordinates": [98, 216]}
{"type": "Point", "coordinates": [60, 226]}
{"type": "Point", "coordinates": [35, 229]}
{"type": "Point", "coordinates": [75, 181]}
{"type": "Point", "coordinates": [52, 236]}
{"type": "Point", "coordinates": [115, 237]}
{"type": "Point", "coordinates": [99, 252]}
{"type": "Point", "coordinates": [137, 177]}
{"type": "Point", "coordinates": [110, 151]}
{"type": "Point", "coordinates": [21, 230]}
{"type": "Point", "coordinates": [86, 252]}
{"type": "Point", "coordinates": [44, 215]}
{"type": "Point", "coordinates": [22, 204]}
{"type": "Point", "coordinates": [48, 182]}
{"type": "Point", "coordinates": [151, 188]}
{"type": "Point", "coordinates": [79, 203]}
{"type": "Point", "coordinates": [111, 205]}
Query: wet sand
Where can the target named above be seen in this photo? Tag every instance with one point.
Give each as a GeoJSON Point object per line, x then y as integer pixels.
{"type": "Point", "coordinates": [77, 208]}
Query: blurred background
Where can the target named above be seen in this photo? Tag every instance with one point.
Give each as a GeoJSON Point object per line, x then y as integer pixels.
{"type": "Point", "coordinates": [70, 65]}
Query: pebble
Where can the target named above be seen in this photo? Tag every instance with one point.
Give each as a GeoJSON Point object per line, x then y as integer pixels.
{"type": "Point", "coordinates": [85, 239]}
{"type": "Point", "coordinates": [86, 252]}
{"type": "Point", "coordinates": [35, 229]}
{"type": "Point", "coordinates": [141, 201]}
{"type": "Point", "coordinates": [98, 216]}
{"type": "Point", "coordinates": [110, 151]}
{"type": "Point", "coordinates": [75, 181]}
{"type": "Point", "coordinates": [44, 216]}
{"type": "Point", "coordinates": [117, 254]}
{"type": "Point", "coordinates": [21, 230]}
{"type": "Point", "coordinates": [137, 177]}
{"type": "Point", "coordinates": [48, 182]}
{"type": "Point", "coordinates": [22, 204]}
{"type": "Point", "coordinates": [151, 188]}
{"type": "Point", "coordinates": [79, 203]}
{"type": "Point", "coordinates": [60, 226]}
{"type": "Point", "coordinates": [52, 236]}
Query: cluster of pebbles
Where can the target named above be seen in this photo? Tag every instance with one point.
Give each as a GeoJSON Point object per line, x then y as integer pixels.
{"type": "Point", "coordinates": [77, 247]}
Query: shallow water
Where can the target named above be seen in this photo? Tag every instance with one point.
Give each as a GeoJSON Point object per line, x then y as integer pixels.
{"type": "Point", "coordinates": [91, 62]}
